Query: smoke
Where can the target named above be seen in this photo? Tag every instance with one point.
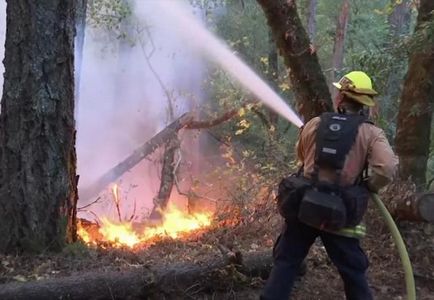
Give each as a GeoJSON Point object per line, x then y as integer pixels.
{"type": "Point", "coordinates": [123, 98]}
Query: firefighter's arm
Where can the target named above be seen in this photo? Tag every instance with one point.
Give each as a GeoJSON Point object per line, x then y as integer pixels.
{"type": "Point", "coordinates": [382, 162]}
{"type": "Point", "coordinates": [299, 147]}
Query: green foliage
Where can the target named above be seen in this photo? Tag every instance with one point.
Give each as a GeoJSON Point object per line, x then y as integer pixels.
{"type": "Point", "coordinates": [267, 147]}
{"type": "Point", "coordinates": [245, 29]}
{"type": "Point", "coordinates": [109, 15]}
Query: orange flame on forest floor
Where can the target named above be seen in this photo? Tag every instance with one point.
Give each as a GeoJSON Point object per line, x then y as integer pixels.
{"type": "Point", "coordinates": [174, 224]}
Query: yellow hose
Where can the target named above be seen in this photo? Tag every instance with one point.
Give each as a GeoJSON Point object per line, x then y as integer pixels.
{"type": "Point", "coordinates": [403, 254]}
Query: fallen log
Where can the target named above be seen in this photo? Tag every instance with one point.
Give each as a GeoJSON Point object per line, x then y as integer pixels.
{"type": "Point", "coordinates": [419, 208]}
{"type": "Point", "coordinates": [178, 281]}
{"type": "Point", "coordinates": [138, 155]}
{"type": "Point", "coordinates": [405, 203]}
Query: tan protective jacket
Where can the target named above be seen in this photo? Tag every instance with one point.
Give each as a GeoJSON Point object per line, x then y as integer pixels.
{"type": "Point", "coordinates": [371, 145]}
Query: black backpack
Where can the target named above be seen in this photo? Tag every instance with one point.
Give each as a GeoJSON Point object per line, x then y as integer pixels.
{"type": "Point", "coordinates": [319, 204]}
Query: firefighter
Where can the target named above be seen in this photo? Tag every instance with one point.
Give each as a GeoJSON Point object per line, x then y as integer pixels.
{"type": "Point", "coordinates": [368, 148]}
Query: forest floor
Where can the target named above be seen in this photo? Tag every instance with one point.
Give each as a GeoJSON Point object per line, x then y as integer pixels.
{"type": "Point", "coordinates": [255, 230]}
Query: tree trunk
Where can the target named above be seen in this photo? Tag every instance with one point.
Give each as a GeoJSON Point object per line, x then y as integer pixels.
{"type": "Point", "coordinates": [339, 43]}
{"type": "Point", "coordinates": [37, 130]}
{"type": "Point", "coordinates": [273, 72]}
{"type": "Point", "coordinates": [399, 19]}
{"type": "Point", "coordinates": [415, 109]}
{"type": "Point", "coordinates": [308, 82]}
{"type": "Point", "coordinates": [146, 282]}
{"type": "Point", "coordinates": [167, 178]}
{"type": "Point", "coordinates": [399, 25]}
{"type": "Point", "coordinates": [311, 20]}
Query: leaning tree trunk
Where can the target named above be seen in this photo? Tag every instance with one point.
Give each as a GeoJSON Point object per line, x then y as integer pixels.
{"type": "Point", "coordinates": [308, 82]}
{"type": "Point", "coordinates": [37, 134]}
{"type": "Point", "coordinates": [415, 109]}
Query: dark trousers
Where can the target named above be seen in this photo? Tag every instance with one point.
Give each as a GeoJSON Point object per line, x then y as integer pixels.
{"type": "Point", "coordinates": [292, 247]}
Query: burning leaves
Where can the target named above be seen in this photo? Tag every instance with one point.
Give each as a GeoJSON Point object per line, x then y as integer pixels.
{"type": "Point", "coordinates": [174, 224]}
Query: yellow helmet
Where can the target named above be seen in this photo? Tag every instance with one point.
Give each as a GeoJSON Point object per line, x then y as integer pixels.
{"type": "Point", "coordinates": [357, 86]}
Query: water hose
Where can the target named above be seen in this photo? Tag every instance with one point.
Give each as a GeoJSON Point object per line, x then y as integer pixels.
{"type": "Point", "coordinates": [399, 242]}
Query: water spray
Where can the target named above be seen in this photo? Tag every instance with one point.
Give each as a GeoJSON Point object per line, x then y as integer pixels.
{"type": "Point", "coordinates": [201, 39]}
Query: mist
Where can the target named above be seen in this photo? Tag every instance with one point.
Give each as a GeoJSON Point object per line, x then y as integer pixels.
{"type": "Point", "coordinates": [123, 100]}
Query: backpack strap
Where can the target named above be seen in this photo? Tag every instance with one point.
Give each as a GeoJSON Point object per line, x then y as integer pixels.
{"type": "Point", "coordinates": [335, 135]}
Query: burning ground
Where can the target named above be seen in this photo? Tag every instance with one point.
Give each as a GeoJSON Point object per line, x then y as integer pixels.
{"type": "Point", "coordinates": [243, 232]}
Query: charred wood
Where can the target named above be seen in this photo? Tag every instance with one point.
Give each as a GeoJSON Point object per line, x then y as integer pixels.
{"type": "Point", "coordinates": [167, 178]}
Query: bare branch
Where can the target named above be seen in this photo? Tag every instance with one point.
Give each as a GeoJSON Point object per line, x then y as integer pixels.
{"type": "Point", "coordinates": [117, 200]}
{"type": "Point", "coordinates": [223, 118]}
{"type": "Point", "coordinates": [166, 91]}
{"type": "Point", "coordinates": [88, 205]}
{"type": "Point", "coordinates": [134, 211]}
{"type": "Point", "coordinates": [97, 220]}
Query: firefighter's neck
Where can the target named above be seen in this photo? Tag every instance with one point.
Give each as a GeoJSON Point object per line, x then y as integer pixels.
{"type": "Point", "coordinates": [348, 111]}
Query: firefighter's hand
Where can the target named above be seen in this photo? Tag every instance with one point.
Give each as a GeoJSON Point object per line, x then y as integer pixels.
{"type": "Point", "coordinates": [369, 185]}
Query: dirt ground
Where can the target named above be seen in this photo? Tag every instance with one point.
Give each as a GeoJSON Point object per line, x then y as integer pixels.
{"type": "Point", "coordinates": [255, 230]}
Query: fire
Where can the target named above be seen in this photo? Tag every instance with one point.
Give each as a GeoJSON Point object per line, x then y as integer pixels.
{"type": "Point", "coordinates": [83, 234]}
{"type": "Point", "coordinates": [119, 234]}
{"type": "Point", "coordinates": [175, 223]}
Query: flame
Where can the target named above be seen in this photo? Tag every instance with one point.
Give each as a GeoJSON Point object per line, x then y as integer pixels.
{"type": "Point", "coordinates": [119, 234]}
{"type": "Point", "coordinates": [83, 234]}
{"type": "Point", "coordinates": [175, 224]}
